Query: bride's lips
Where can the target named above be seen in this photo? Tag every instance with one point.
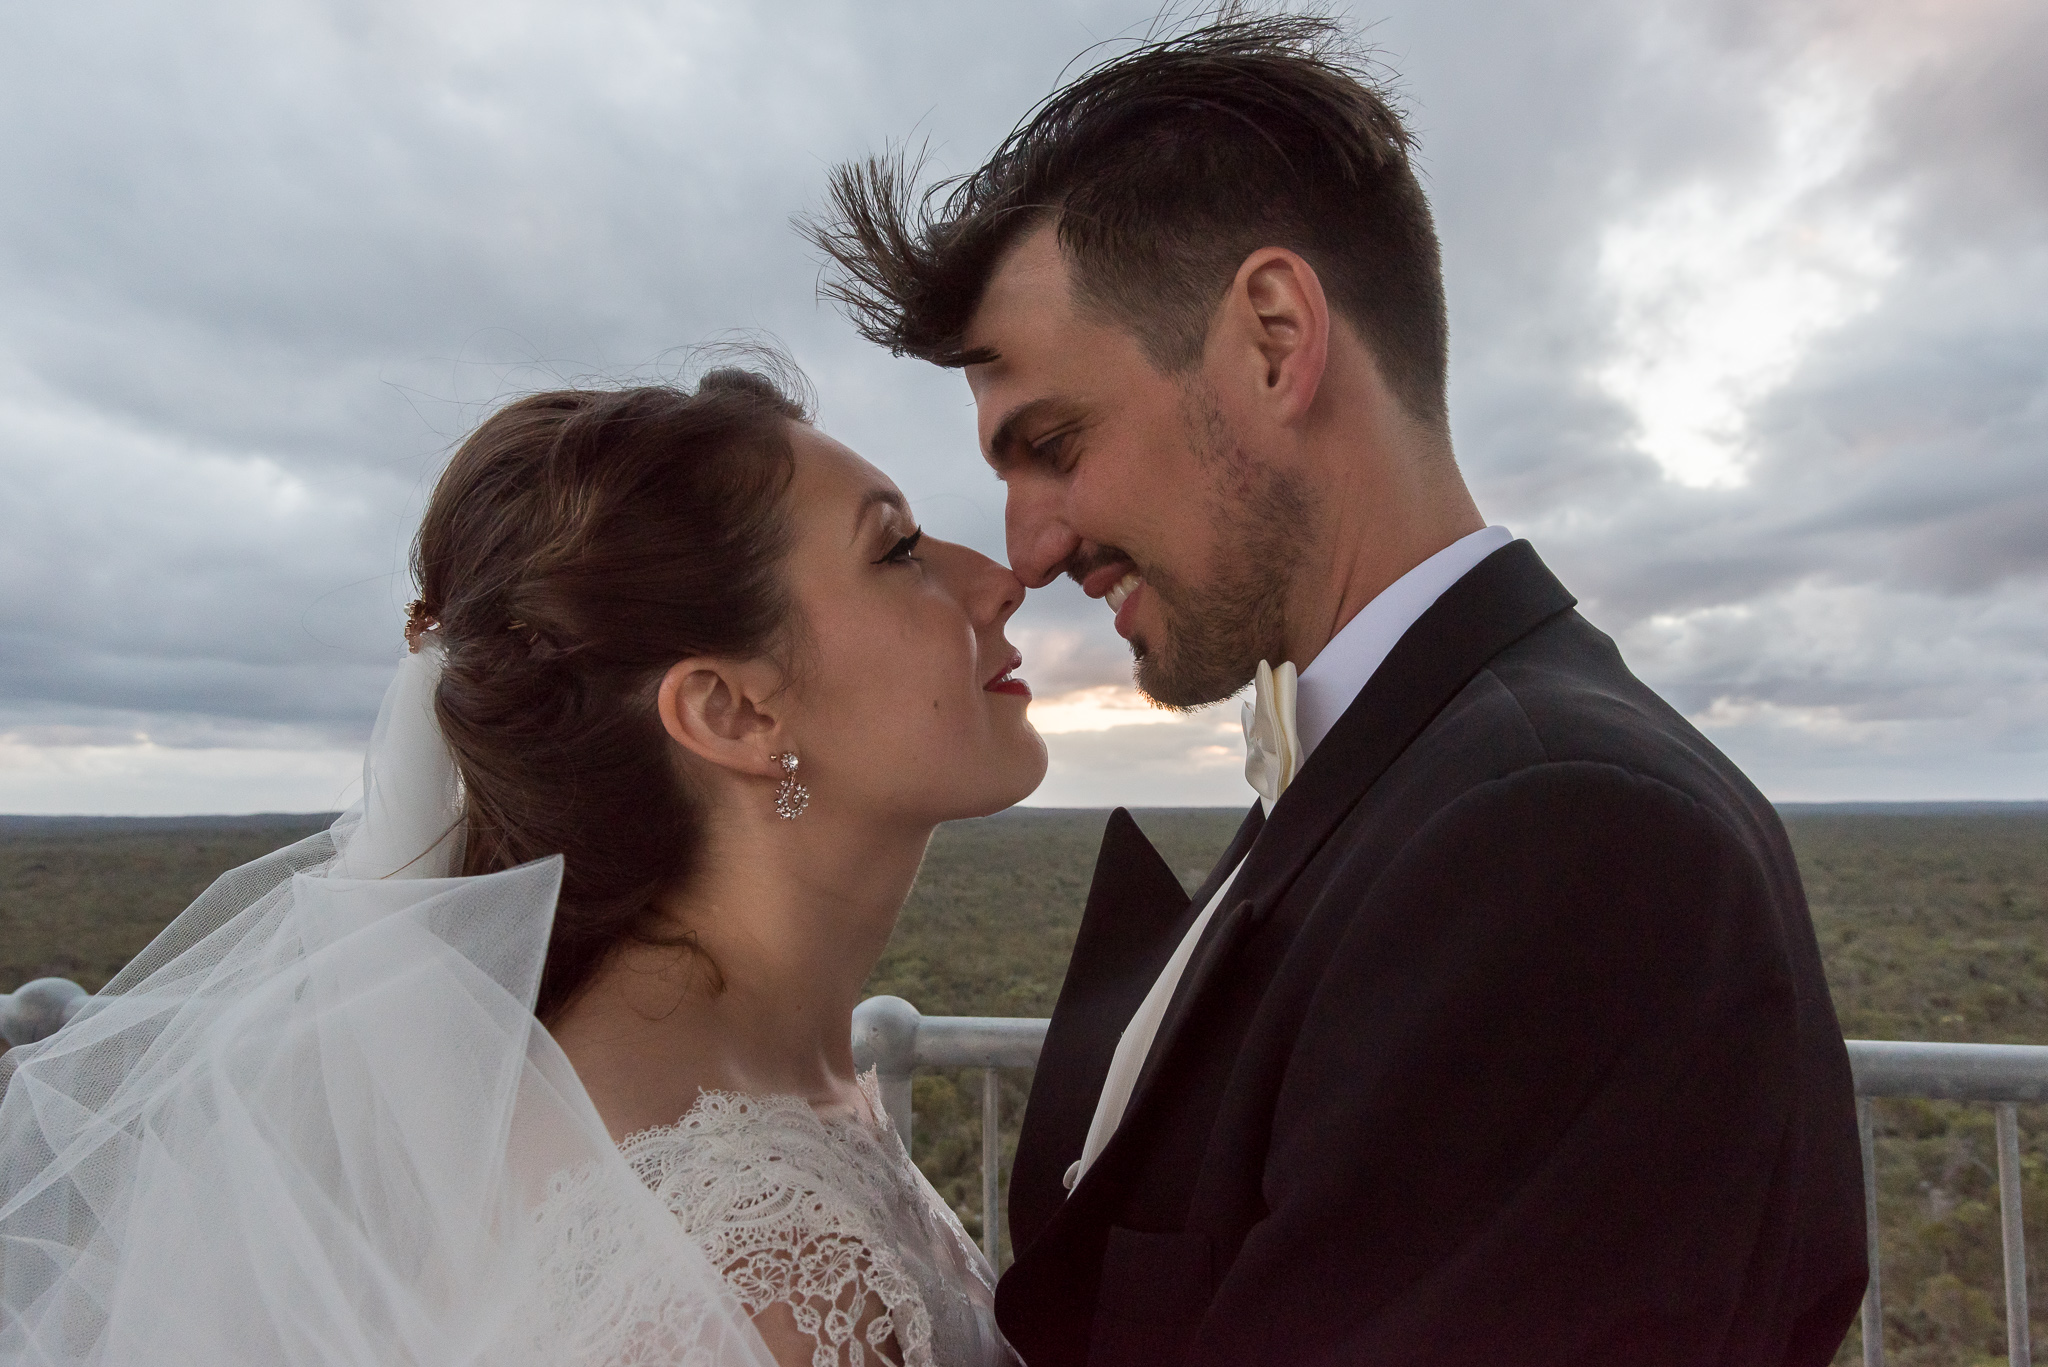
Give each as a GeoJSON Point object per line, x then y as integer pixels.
{"type": "Point", "coordinates": [1005, 682]}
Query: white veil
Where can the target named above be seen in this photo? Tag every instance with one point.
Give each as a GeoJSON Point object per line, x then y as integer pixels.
{"type": "Point", "coordinates": [316, 1122]}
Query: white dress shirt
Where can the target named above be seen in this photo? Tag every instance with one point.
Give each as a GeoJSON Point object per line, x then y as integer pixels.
{"type": "Point", "coordinates": [1327, 687]}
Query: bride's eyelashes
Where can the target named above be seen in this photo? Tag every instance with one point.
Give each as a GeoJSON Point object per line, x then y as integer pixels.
{"type": "Point", "coordinates": [901, 552]}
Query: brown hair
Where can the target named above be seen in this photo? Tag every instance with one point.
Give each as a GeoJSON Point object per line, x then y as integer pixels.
{"type": "Point", "coordinates": [579, 544]}
{"type": "Point", "coordinates": [1163, 170]}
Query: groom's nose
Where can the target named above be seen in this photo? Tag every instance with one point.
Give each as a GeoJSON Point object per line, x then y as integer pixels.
{"type": "Point", "coordinates": [1041, 543]}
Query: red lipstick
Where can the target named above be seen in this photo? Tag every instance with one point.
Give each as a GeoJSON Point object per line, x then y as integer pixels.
{"type": "Point", "coordinates": [1006, 682]}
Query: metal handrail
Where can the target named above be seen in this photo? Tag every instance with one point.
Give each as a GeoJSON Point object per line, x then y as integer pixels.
{"type": "Point", "coordinates": [2005, 1075]}
{"type": "Point", "coordinates": [894, 1038]}
{"type": "Point", "coordinates": [2010, 1073]}
{"type": "Point", "coordinates": [38, 1009]}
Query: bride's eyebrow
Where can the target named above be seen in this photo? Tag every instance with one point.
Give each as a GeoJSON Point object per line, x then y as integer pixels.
{"type": "Point", "coordinates": [874, 498]}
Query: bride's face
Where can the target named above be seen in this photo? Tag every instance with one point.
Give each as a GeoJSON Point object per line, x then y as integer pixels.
{"type": "Point", "coordinates": [908, 700]}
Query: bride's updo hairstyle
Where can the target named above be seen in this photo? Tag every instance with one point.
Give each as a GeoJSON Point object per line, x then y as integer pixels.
{"type": "Point", "coordinates": [578, 545]}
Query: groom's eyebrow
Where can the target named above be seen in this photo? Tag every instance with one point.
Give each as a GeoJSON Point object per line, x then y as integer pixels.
{"type": "Point", "coordinates": [1005, 444]}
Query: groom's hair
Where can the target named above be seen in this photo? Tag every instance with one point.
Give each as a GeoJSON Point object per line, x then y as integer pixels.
{"type": "Point", "coordinates": [1162, 170]}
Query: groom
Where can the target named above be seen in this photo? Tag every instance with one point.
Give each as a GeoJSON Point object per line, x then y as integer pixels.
{"type": "Point", "coordinates": [1499, 1034]}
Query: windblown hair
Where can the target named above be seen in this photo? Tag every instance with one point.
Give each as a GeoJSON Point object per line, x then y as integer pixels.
{"type": "Point", "coordinates": [1162, 171]}
{"type": "Point", "coordinates": [578, 545]}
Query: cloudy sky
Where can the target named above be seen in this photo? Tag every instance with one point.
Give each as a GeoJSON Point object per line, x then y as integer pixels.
{"type": "Point", "coordinates": [1749, 317]}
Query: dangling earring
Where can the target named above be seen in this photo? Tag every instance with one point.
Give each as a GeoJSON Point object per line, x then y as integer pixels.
{"type": "Point", "coordinates": [791, 797]}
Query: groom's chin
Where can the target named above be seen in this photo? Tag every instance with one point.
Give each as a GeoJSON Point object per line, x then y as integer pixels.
{"type": "Point", "coordinates": [1172, 684]}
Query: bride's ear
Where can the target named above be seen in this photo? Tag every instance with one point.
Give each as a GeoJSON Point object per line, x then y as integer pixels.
{"type": "Point", "coordinates": [724, 713]}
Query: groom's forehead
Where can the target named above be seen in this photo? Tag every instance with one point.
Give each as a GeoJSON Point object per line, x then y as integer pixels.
{"type": "Point", "coordinates": [1027, 302]}
{"type": "Point", "coordinates": [1043, 352]}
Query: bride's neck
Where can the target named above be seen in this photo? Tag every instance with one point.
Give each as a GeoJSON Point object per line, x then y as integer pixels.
{"type": "Point", "coordinates": [787, 921]}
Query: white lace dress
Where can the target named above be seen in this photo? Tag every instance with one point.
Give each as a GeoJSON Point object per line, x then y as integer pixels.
{"type": "Point", "coordinates": [830, 1218]}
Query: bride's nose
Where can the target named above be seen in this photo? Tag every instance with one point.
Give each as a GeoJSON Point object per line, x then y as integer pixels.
{"type": "Point", "coordinates": [988, 589]}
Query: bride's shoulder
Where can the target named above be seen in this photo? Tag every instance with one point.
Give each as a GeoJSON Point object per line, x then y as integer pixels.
{"type": "Point", "coordinates": [797, 1209]}
{"type": "Point", "coordinates": [734, 1151]}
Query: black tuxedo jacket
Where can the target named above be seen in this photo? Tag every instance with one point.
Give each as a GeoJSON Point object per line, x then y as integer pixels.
{"type": "Point", "coordinates": [1510, 1046]}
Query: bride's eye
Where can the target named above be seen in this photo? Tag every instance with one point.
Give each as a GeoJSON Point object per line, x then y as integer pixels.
{"type": "Point", "coordinates": [901, 552]}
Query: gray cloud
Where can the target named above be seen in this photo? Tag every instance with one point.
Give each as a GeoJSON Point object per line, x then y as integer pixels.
{"type": "Point", "coordinates": [1879, 577]}
{"type": "Point", "coordinates": [261, 265]}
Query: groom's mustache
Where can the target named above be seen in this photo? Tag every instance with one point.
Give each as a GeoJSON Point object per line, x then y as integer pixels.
{"type": "Point", "coordinates": [1084, 563]}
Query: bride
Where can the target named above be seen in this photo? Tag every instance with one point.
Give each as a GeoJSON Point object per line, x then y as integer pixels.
{"type": "Point", "coordinates": [542, 1053]}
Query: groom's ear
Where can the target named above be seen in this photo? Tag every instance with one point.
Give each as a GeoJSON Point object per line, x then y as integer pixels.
{"type": "Point", "coordinates": [1275, 323]}
{"type": "Point", "coordinates": [724, 712]}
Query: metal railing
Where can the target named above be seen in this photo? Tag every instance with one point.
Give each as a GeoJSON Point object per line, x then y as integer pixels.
{"type": "Point", "coordinates": [38, 1009]}
{"type": "Point", "coordinates": [2006, 1075]}
{"type": "Point", "coordinates": [891, 1036]}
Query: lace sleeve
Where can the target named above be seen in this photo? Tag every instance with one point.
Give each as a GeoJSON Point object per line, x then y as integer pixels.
{"type": "Point", "coordinates": [796, 1214]}
{"type": "Point", "coordinates": [838, 1319]}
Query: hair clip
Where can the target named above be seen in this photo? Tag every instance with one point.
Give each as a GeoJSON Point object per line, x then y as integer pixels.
{"type": "Point", "coordinates": [418, 622]}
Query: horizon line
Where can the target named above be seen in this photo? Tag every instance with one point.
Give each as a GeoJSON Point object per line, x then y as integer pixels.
{"type": "Point", "coordinates": [1846, 807]}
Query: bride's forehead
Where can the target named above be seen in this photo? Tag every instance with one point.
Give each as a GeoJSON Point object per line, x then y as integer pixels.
{"type": "Point", "coordinates": [827, 469]}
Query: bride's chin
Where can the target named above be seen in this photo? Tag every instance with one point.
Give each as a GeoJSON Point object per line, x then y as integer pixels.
{"type": "Point", "coordinates": [1013, 775]}
{"type": "Point", "coordinates": [1031, 768]}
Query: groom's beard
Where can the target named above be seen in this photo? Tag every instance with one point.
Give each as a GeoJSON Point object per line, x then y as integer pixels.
{"type": "Point", "coordinates": [1216, 632]}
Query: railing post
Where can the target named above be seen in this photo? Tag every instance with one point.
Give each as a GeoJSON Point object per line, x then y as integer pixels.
{"type": "Point", "coordinates": [38, 1009]}
{"type": "Point", "coordinates": [991, 1163]}
{"type": "Point", "coordinates": [2018, 1350]}
{"type": "Point", "coordinates": [1873, 1295]}
{"type": "Point", "coordinates": [885, 1039]}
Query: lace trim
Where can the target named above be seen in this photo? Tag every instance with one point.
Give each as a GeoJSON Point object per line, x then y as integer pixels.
{"type": "Point", "coordinates": [796, 1210]}
{"type": "Point", "coordinates": [610, 1294]}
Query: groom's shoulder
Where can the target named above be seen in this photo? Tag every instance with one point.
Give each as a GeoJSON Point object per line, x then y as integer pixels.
{"type": "Point", "coordinates": [1563, 696]}
{"type": "Point", "coordinates": [1553, 756]}
{"type": "Point", "coordinates": [1578, 697]}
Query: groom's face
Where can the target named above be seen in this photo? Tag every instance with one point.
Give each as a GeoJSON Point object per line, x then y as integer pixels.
{"type": "Point", "coordinates": [1137, 483]}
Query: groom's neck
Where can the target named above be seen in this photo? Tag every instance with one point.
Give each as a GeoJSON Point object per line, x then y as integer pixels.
{"type": "Point", "coordinates": [1390, 495]}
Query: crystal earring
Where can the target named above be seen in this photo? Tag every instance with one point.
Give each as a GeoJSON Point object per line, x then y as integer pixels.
{"type": "Point", "coordinates": [791, 797]}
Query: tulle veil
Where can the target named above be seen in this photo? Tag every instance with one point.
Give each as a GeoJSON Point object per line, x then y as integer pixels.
{"type": "Point", "coordinates": [316, 1122]}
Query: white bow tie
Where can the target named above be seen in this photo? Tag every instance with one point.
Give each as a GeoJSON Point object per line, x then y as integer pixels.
{"type": "Point", "coordinates": [1272, 750]}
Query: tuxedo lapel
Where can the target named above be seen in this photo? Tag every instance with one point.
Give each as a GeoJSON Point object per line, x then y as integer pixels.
{"type": "Point", "coordinates": [1135, 915]}
{"type": "Point", "coordinates": [1233, 855]}
{"type": "Point", "coordinates": [1503, 598]}
{"type": "Point", "coordinates": [1212, 951]}
{"type": "Point", "coordinates": [1217, 938]}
